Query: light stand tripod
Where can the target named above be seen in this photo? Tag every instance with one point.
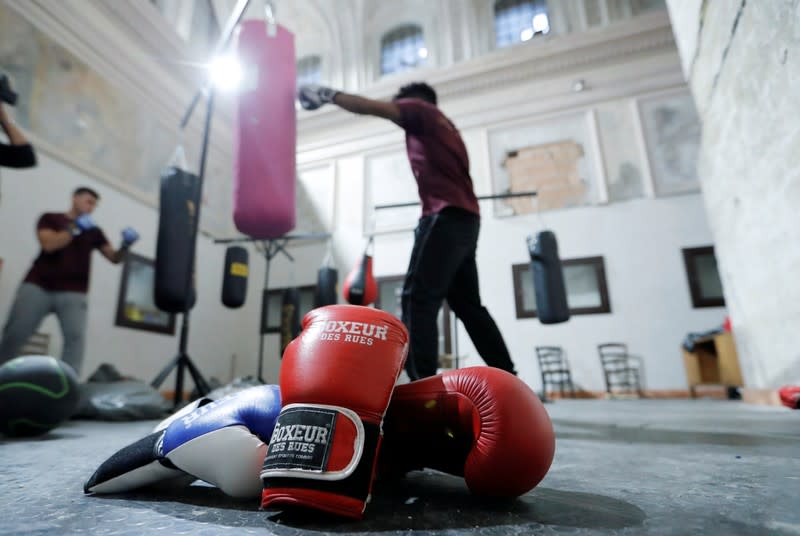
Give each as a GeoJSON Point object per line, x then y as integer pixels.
{"type": "Point", "coordinates": [182, 361]}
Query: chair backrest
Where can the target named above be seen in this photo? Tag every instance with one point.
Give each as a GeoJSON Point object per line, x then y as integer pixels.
{"type": "Point", "coordinates": [613, 353]}
{"type": "Point", "coordinates": [551, 358]}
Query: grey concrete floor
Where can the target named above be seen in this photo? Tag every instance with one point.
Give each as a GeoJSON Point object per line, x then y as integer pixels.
{"type": "Point", "coordinates": [621, 467]}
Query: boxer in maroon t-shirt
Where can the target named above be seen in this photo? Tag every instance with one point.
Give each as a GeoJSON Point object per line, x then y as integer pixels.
{"type": "Point", "coordinates": [59, 278]}
{"type": "Point", "coordinates": [442, 265]}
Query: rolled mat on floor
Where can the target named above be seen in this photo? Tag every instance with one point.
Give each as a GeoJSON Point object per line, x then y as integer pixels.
{"type": "Point", "coordinates": [265, 134]}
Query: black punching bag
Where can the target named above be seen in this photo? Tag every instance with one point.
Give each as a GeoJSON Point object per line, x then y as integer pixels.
{"type": "Point", "coordinates": [326, 292]}
{"type": "Point", "coordinates": [176, 233]}
{"type": "Point", "coordinates": [548, 278]}
{"type": "Point", "coordinates": [290, 317]}
{"type": "Point", "coordinates": [234, 279]}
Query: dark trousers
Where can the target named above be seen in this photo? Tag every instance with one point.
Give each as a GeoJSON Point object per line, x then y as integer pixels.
{"type": "Point", "coordinates": [442, 267]}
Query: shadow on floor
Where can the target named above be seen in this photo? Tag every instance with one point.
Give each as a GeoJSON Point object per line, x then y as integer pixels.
{"type": "Point", "coordinates": [423, 501]}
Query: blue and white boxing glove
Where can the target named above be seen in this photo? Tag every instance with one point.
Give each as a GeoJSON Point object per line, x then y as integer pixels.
{"type": "Point", "coordinates": [82, 223]}
{"type": "Point", "coordinates": [221, 442]}
{"type": "Point", "coordinates": [312, 96]}
{"type": "Point", "coordinates": [129, 236]}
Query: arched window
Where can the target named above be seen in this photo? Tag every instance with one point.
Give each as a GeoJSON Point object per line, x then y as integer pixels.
{"type": "Point", "coordinates": [519, 20]}
{"type": "Point", "coordinates": [402, 48]}
{"type": "Point", "coordinates": [309, 70]}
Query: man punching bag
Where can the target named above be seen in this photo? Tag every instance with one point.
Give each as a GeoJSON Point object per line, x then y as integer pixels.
{"type": "Point", "coordinates": [360, 287]}
{"type": "Point", "coordinates": [327, 284]}
{"type": "Point", "coordinates": [548, 278]}
{"type": "Point", "coordinates": [234, 279]}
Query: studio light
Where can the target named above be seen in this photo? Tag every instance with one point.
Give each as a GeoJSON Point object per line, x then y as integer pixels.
{"type": "Point", "coordinates": [541, 24]}
{"type": "Point", "coordinates": [225, 73]}
{"type": "Point", "coordinates": [526, 34]}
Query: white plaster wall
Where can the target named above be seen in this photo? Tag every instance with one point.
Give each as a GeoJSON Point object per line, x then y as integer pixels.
{"type": "Point", "coordinates": [742, 63]}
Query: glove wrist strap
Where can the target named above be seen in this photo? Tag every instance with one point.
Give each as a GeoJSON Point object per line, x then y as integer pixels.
{"type": "Point", "coordinates": [310, 446]}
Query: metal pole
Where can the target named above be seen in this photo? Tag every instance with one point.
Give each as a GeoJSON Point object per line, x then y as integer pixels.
{"type": "Point", "coordinates": [480, 198]}
{"type": "Point", "coordinates": [264, 313]}
{"type": "Point", "coordinates": [227, 33]}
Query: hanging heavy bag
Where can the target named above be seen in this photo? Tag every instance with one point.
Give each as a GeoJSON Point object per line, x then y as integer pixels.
{"type": "Point", "coordinates": [360, 287]}
{"type": "Point", "coordinates": [290, 317]}
{"type": "Point", "coordinates": [234, 278]}
{"type": "Point", "coordinates": [176, 234]}
{"type": "Point", "coordinates": [548, 278]}
{"type": "Point", "coordinates": [327, 284]}
{"type": "Point", "coordinates": [264, 144]}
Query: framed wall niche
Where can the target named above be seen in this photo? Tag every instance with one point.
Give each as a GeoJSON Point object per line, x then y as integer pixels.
{"type": "Point", "coordinates": [316, 198]}
{"type": "Point", "coordinates": [136, 306]}
{"type": "Point", "coordinates": [388, 180]}
{"type": "Point", "coordinates": [275, 305]}
{"type": "Point", "coordinates": [584, 279]}
{"type": "Point", "coordinates": [702, 275]}
{"type": "Point", "coordinates": [671, 131]}
{"type": "Point", "coordinates": [558, 157]}
{"type": "Point", "coordinates": [389, 289]}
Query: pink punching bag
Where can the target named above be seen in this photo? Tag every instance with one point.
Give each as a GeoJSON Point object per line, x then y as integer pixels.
{"type": "Point", "coordinates": [266, 132]}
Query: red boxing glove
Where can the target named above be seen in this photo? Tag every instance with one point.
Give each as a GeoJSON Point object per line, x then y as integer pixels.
{"type": "Point", "coordinates": [790, 396]}
{"type": "Point", "coordinates": [336, 380]}
{"type": "Point", "coordinates": [481, 423]}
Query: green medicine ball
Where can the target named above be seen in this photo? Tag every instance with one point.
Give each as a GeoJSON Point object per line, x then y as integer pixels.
{"type": "Point", "coordinates": [37, 393]}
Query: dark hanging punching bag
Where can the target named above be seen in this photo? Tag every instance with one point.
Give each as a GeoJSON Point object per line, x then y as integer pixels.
{"type": "Point", "coordinates": [360, 287]}
{"type": "Point", "coordinates": [326, 292]}
{"type": "Point", "coordinates": [548, 278]}
{"type": "Point", "coordinates": [290, 317]}
{"type": "Point", "coordinates": [176, 233]}
{"type": "Point", "coordinates": [234, 279]}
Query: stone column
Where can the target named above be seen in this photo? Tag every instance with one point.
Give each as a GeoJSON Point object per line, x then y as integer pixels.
{"type": "Point", "coordinates": [742, 61]}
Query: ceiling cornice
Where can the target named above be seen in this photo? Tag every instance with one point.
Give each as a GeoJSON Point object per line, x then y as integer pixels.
{"type": "Point", "coordinates": [555, 57]}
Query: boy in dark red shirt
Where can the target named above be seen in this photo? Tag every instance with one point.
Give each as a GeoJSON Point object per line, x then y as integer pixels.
{"type": "Point", "coordinates": [442, 264]}
{"type": "Point", "coordinates": [59, 278]}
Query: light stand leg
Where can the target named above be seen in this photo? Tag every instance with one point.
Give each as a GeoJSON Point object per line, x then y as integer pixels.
{"type": "Point", "coordinates": [183, 360]}
{"type": "Point", "coordinates": [264, 311]}
{"type": "Point", "coordinates": [455, 339]}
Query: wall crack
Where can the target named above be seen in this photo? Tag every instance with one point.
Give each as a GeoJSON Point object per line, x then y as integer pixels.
{"type": "Point", "coordinates": [727, 48]}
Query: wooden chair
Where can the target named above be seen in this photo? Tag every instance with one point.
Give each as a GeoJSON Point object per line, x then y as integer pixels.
{"type": "Point", "coordinates": [555, 370]}
{"type": "Point", "coordinates": [620, 369]}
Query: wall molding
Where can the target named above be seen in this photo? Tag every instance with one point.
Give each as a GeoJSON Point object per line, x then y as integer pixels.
{"type": "Point", "coordinates": [626, 59]}
{"type": "Point", "coordinates": [549, 58]}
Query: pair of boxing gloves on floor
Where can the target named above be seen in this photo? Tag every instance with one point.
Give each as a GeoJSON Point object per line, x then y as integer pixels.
{"type": "Point", "coordinates": [338, 419]}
